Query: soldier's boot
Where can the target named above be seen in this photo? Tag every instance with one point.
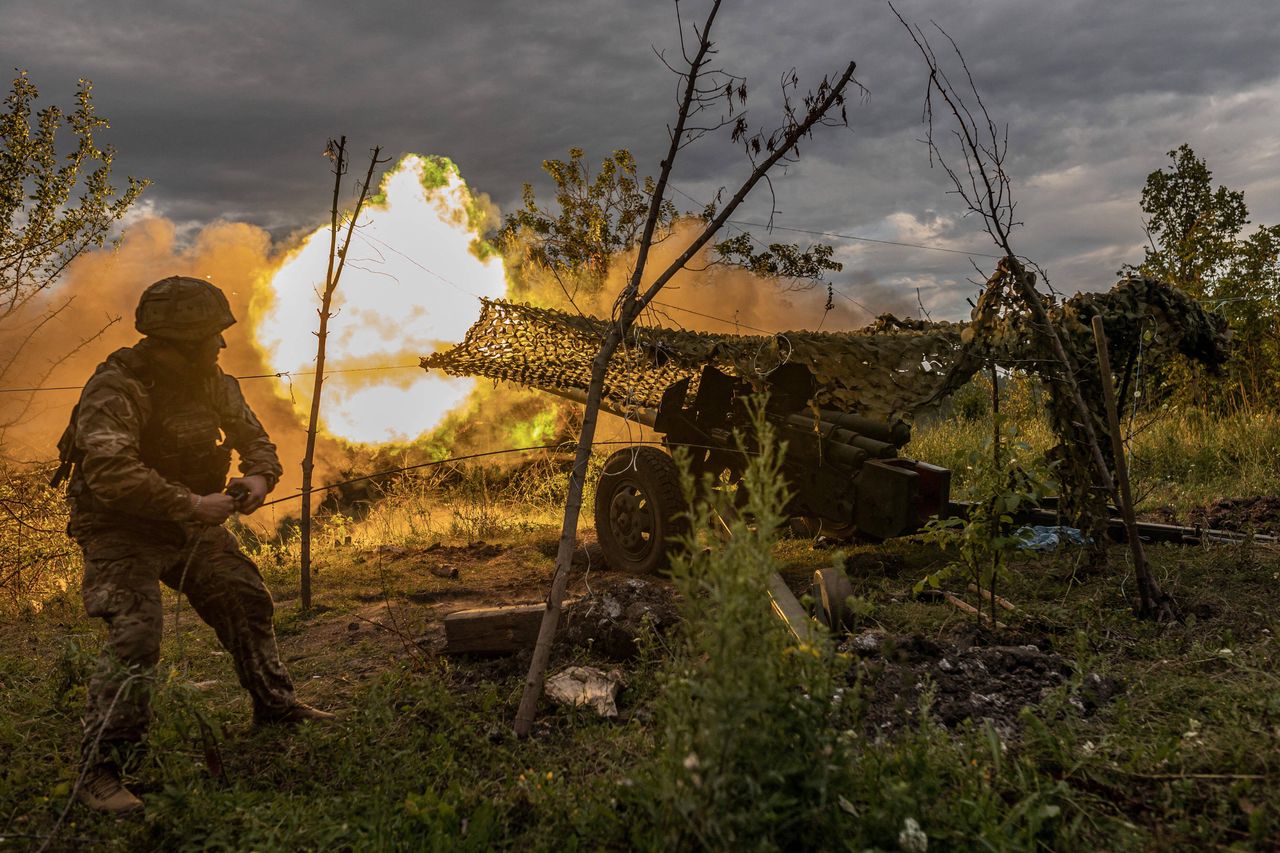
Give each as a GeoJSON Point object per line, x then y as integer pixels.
{"type": "Point", "coordinates": [103, 791]}
{"type": "Point", "coordinates": [292, 715]}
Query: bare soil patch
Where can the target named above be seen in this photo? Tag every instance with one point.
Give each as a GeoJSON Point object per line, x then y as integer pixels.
{"type": "Point", "coordinates": [398, 608]}
{"type": "Point", "coordinates": [1260, 514]}
{"type": "Point", "coordinates": [1257, 514]}
{"type": "Point", "coordinates": [972, 675]}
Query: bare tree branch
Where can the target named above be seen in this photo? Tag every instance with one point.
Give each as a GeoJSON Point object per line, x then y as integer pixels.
{"type": "Point", "coordinates": [631, 303]}
{"type": "Point", "coordinates": [987, 191]}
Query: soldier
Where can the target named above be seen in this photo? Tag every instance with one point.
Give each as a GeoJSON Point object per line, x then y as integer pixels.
{"type": "Point", "coordinates": [148, 451]}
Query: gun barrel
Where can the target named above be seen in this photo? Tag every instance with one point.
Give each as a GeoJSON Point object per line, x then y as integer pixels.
{"type": "Point", "coordinates": [896, 433]}
{"type": "Point", "coordinates": [837, 441]}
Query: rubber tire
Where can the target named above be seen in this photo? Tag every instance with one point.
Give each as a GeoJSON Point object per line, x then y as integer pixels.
{"type": "Point", "coordinates": [640, 510]}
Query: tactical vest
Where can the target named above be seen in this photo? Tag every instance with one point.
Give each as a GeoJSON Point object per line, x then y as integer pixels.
{"type": "Point", "coordinates": [181, 440]}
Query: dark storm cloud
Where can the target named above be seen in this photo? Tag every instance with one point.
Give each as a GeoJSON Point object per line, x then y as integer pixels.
{"type": "Point", "coordinates": [226, 107]}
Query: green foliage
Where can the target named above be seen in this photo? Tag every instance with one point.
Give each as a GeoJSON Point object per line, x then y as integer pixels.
{"type": "Point", "coordinates": [477, 516]}
{"type": "Point", "coordinates": [1192, 225]}
{"type": "Point", "coordinates": [1001, 484]}
{"type": "Point", "coordinates": [595, 218]}
{"type": "Point", "coordinates": [748, 720]}
{"type": "Point", "coordinates": [779, 260]}
{"type": "Point", "coordinates": [1180, 458]}
{"type": "Point", "coordinates": [1195, 243]}
{"type": "Point", "coordinates": [951, 437]}
{"type": "Point", "coordinates": [53, 206]}
{"type": "Point", "coordinates": [37, 560]}
{"type": "Point", "coordinates": [1190, 457]}
{"type": "Point", "coordinates": [42, 227]}
{"type": "Point", "coordinates": [424, 759]}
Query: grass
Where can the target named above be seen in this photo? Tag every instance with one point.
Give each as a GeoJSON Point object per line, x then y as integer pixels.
{"type": "Point", "coordinates": [1186, 757]}
{"type": "Point", "coordinates": [1179, 459]}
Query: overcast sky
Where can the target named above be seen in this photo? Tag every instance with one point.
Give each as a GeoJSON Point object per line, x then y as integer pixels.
{"type": "Point", "coordinates": [226, 107]}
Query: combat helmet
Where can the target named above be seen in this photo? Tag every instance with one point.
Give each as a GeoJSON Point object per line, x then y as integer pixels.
{"type": "Point", "coordinates": [182, 308]}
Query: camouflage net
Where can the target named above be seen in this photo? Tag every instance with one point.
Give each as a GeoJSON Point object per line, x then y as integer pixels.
{"type": "Point", "coordinates": [889, 370]}
{"type": "Point", "coordinates": [885, 370]}
{"type": "Point", "coordinates": [1141, 317]}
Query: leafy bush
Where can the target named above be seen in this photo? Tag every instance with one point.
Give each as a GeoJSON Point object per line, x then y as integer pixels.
{"type": "Point", "coordinates": [748, 719]}
{"type": "Point", "coordinates": [1000, 487]}
{"type": "Point", "coordinates": [37, 559]}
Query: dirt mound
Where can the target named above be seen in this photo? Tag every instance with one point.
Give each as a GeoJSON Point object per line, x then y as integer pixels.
{"type": "Point", "coordinates": [1260, 514]}
{"type": "Point", "coordinates": [613, 614]}
{"type": "Point", "coordinates": [972, 678]}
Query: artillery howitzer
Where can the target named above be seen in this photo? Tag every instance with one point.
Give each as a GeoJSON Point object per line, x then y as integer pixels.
{"type": "Point", "coordinates": [832, 397]}
{"type": "Point", "coordinates": [843, 471]}
{"type": "Point", "coordinates": [842, 401]}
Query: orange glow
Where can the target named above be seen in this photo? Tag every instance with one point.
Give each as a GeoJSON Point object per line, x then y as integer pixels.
{"type": "Point", "coordinates": [411, 285]}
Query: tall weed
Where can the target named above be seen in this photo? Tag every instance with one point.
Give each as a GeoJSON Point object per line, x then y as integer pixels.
{"type": "Point", "coordinates": [748, 722]}
{"type": "Point", "coordinates": [1179, 457]}
{"type": "Point", "coordinates": [37, 559]}
{"type": "Point", "coordinates": [1190, 457]}
{"type": "Point", "coordinates": [967, 423]}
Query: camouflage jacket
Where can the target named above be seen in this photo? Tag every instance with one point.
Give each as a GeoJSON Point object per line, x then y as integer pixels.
{"type": "Point", "coordinates": [116, 479]}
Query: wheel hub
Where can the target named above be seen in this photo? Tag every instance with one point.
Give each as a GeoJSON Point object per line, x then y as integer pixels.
{"type": "Point", "coordinates": [632, 520]}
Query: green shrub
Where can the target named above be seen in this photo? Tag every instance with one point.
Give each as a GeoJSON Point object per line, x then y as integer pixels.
{"type": "Point", "coordinates": [748, 719]}
{"type": "Point", "coordinates": [37, 559]}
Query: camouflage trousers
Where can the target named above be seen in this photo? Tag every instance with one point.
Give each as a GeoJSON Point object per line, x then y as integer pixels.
{"type": "Point", "coordinates": [123, 570]}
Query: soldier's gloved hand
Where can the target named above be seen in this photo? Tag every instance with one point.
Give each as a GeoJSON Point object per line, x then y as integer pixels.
{"type": "Point", "coordinates": [212, 509]}
{"type": "Point", "coordinates": [257, 487]}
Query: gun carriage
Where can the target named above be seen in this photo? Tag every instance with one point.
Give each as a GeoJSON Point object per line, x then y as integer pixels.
{"type": "Point", "coordinates": [833, 397]}
{"type": "Point", "coordinates": [843, 401]}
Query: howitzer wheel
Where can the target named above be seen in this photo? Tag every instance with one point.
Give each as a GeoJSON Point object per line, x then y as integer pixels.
{"type": "Point", "coordinates": [640, 509]}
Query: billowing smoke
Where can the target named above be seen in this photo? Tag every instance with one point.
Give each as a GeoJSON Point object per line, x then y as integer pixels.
{"type": "Point", "coordinates": [414, 275]}
{"type": "Point", "coordinates": [105, 285]}
{"type": "Point", "coordinates": [715, 297]}
{"type": "Point", "coordinates": [417, 267]}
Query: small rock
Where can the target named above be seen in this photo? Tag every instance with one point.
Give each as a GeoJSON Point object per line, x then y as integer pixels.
{"type": "Point", "coordinates": [868, 642]}
{"type": "Point", "coordinates": [1095, 691]}
{"type": "Point", "coordinates": [586, 685]}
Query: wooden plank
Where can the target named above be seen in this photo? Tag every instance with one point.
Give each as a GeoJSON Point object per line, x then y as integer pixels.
{"type": "Point", "coordinates": [493, 630]}
{"type": "Point", "coordinates": [965, 607]}
{"type": "Point", "coordinates": [785, 604]}
{"type": "Point", "coordinates": [789, 610]}
{"type": "Point", "coordinates": [986, 596]}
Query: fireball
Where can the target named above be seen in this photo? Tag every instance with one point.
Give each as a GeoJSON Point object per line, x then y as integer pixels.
{"type": "Point", "coordinates": [414, 275]}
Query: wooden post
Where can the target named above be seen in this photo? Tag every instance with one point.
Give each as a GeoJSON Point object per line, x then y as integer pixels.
{"type": "Point", "coordinates": [331, 277]}
{"type": "Point", "coordinates": [631, 302]}
{"type": "Point", "coordinates": [995, 415]}
{"type": "Point", "coordinates": [1148, 587]}
{"type": "Point", "coordinates": [995, 454]}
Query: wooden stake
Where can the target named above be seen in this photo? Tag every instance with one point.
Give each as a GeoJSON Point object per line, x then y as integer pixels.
{"type": "Point", "coordinates": [631, 302]}
{"type": "Point", "coordinates": [993, 599]}
{"type": "Point", "coordinates": [331, 277]}
{"type": "Point", "coordinates": [1146, 584]}
{"type": "Point", "coordinates": [965, 607]}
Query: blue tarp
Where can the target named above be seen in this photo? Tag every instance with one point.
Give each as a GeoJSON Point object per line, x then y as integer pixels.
{"type": "Point", "coordinates": [1049, 538]}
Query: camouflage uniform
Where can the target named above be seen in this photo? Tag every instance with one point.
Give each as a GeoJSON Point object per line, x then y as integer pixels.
{"type": "Point", "coordinates": [145, 439]}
